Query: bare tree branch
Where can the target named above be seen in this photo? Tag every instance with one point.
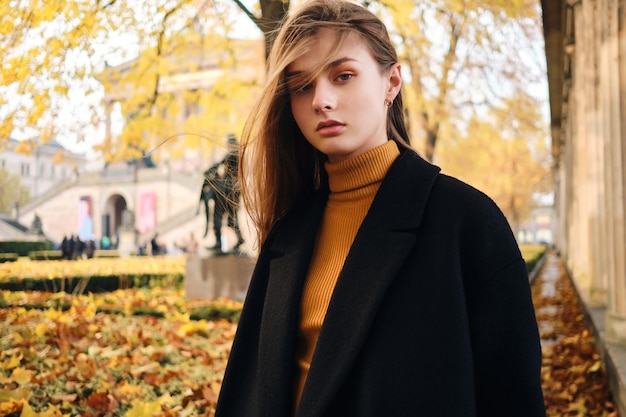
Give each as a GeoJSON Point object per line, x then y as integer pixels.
{"type": "Point", "coordinates": [248, 13]}
{"type": "Point", "coordinates": [109, 4]}
{"type": "Point", "coordinates": [147, 106]}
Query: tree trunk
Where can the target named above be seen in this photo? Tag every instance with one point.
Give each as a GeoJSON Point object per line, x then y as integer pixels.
{"type": "Point", "coordinates": [272, 15]}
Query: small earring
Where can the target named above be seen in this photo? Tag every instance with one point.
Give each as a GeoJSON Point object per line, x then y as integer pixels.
{"type": "Point", "coordinates": [388, 103]}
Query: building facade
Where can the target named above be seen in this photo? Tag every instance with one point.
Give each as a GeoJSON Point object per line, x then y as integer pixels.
{"type": "Point", "coordinates": [586, 55]}
{"type": "Point", "coordinates": [162, 196]}
{"type": "Point", "coordinates": [42, 169]}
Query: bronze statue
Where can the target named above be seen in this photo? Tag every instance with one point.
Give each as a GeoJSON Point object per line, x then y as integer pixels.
{"type": "Point", "coordinates": [224, 191]}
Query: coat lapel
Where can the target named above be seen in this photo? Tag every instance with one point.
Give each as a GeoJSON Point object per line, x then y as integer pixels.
{"type": "Point", "coordinates": [290, 255]}
{"type": "Point", "coordinates": [385, 238]}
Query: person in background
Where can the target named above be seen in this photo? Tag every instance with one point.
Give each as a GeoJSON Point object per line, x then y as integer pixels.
{"type": "Point", "coordinates": [105, 243]}
{"type": "Point", "coordinates": [71, 247]}
{"type": "Point", "coordinates": [155, 246]}
{"type": "Point", "coordinates": [65, 254]}
{"type": "Point", "coordinates": [79, 248]}
{"type": "Point", "coordinates": [90, 247]}
{"type": "Point", "coordinates": [382, 287]}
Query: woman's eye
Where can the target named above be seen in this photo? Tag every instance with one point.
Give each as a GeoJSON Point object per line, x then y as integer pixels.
{"type": "Point", "coordinates": [300, 90]}
{"type": "Point", "coordinates": [344, 77]}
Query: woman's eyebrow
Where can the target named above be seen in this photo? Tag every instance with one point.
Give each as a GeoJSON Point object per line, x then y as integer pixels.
{"type": "Point", "coordinates": [338, 62]}
{"type": "Point", "coordinates": [330, 65]}
{"type": "Point", "coordinates": [291, 74]}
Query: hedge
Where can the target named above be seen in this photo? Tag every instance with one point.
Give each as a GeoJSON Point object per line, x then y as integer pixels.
{"type": "Point", "coordinates": [45, 255]}
{"type": "Point", "coordinates": [8, 257]}
{"type": "Point", "coordinates": [532, 254]}
{"type": "Point", "coordinates": [23, 247]}
{"type": "Point", "coordinates": [95, 283]}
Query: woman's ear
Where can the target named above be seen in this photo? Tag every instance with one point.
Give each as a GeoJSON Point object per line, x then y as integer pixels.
{"type": "Point", "coordinates": [395, 81]}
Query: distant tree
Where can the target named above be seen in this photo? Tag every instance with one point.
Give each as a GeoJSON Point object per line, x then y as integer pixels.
{"type": "Point", "coordinates": [11, 191]}
{"type": "Point", "coordinates": [459, 58]}
{"type": "Point", "coordinates": [56, 55]}
{"type": "Point", "coordinates": [504, 154]}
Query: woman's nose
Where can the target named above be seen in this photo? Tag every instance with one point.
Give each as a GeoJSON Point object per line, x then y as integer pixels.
{"type": "Point", "coordinates": [323, 99]}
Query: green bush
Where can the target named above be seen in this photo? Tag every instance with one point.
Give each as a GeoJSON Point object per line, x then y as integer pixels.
{"type": "Point", "coordinates": [145, 311]}
{"type": "Point", "coordinates": [215, 312]}
{"type": "Point", "coordinates": [94, 283]}
{"type": "Point", "coordinates": [532, 254]}
{"type": "Point", "coordinates": [23, 247]}
{"type": "Point", "coordinates": [45, 255]}
{"type": "Point", "coordinates": [8, 257]}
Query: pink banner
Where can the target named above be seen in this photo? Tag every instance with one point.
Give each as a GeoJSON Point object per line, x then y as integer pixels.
{"type": "Point", "coordinates": [85, 218]}
{"type": "Point", "coordinates": [147, 212]}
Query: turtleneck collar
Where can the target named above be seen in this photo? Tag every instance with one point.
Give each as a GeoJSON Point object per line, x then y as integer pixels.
{"type": "Point", "coordinates": [362, 174]}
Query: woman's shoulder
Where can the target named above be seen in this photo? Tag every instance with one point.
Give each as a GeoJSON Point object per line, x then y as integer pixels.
{"type": "Point", "coordinates": [445, 189]}
{"type": "Point", "coordinates": [452, 200]}
{"type": "Point", "coordinates": [461, 191]}
{"type": "Point", "coordinates": [475, 216]}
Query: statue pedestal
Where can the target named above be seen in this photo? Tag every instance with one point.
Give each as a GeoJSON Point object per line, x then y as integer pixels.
{"type": "Point", "coordinates": [218, 276]}
{"type": "Point", "coordinates": [126, 243]}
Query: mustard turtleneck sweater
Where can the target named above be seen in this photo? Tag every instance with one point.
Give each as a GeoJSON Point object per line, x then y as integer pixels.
{"type": "Point", "coordinates": [353, 184]}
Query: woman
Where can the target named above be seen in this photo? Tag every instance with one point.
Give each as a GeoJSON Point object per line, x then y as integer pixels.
{"type": "Point", "coordinates": [382, 288]}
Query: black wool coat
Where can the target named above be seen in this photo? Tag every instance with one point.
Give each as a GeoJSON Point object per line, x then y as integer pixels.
{"type": "Point", "coordinates": [431, 315]}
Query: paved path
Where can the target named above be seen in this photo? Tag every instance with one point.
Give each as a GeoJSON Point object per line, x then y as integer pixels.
{"type": "Point", "coordinates": [573, 376]}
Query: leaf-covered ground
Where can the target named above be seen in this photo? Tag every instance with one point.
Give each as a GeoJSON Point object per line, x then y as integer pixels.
{"type": "Point", "coordinates": [573, 377]}
{"type": "Point", "coordinates": [108, 355]}
{"type": "Point", "coordinates": [89, 363]}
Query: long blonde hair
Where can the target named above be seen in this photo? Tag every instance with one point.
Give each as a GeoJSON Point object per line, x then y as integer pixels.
{"type": "Point", "coordinates": [278, 167]}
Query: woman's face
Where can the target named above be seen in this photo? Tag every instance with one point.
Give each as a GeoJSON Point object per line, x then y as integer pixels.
{"type": "Point", "coordinates": [342, 112]}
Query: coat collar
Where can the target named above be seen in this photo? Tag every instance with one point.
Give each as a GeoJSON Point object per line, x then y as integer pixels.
{"type": "Point", "coordinates": [385, 238]}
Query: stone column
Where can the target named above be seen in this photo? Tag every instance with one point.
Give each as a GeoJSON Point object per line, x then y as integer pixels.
{"type": "Point", "coordinates": [586, 38]}
{"type": "Point", "coordinates": [574, 75]}
{"type": "Point", "coordinates": [603, 122]}
{"type": "Point", "coordinates": [575, 134]}
{"type": "Point", "coordinates": [561, 201]}
{"type": "Point", "coordinates": [615, 49]}
{"type": "Point", "coordinates": [107, 119]}
{"type": "Point", "coordinates": [565, 179]}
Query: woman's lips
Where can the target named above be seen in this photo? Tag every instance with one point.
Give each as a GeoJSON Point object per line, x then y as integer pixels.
{"type": "Point", "coordinates": [330, 128]}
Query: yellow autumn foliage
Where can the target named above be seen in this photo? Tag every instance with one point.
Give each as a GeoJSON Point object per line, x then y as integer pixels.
{"type": "Point", "coordinates": [87, 267]}
{"type": "Point", "coordinates": [505, 155]}
{"type": "Point", "coordinates": [52, 411]}
{"type": "Point", "coordinates": [143, 408]}
{"type": "Point", "coordinates": [11, 362]}
{"type": "Point", "coordinates": [21, 376]}
{"type": "Point", "coordinates": [137, 52]}
{"type": "Point", "coordinates": [132, 53]}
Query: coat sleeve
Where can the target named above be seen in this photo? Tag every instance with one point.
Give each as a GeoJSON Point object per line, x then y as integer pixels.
{"type": "Point", "coordinates": [504, 338]}
{"type": "Point", "coordinates": [505, 346]}
{"type": "Point", "coordinates": [505, 341]}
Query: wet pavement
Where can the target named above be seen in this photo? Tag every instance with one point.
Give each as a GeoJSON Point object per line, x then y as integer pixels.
{"type": "Point", "coordinates": [551, 307]}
